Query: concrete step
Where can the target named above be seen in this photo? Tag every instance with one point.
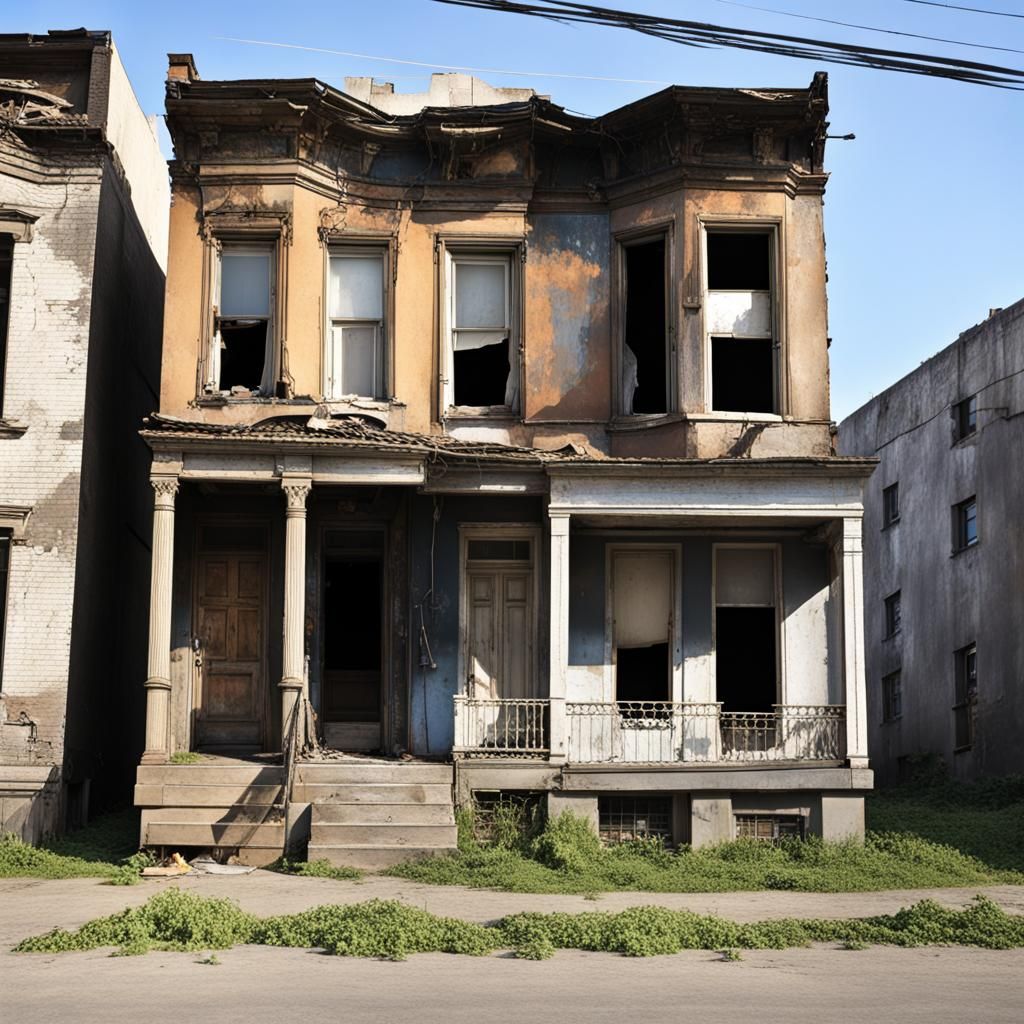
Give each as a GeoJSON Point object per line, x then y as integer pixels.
{"type": "Point", "coordinates": [364, 793]}
{"type": "Point", "coordinates": [373, 772]}
{"type": "Point", "coordinates": [389, 836]}
{"type": "Point", "coordinates": [384, 814]}
{"type": "Point", "coordinates": [373, 858]}
{"type": "Point", "coordinates": [213, 815]}
{"type": "Point", "coordinates": [205, 795]}
{"type": "Point", "coordinates": [188, 833]}
{"type": "Point", "coordinates": [209, 774]}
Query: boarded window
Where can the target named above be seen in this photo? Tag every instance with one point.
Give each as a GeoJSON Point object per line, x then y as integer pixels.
{"type": "Point", "coordinates": [356, 355]}
{"type": "Point", "coordinates": [243, 343]}
{"type": "Point", "coordinates": [643, 601]}
{"type": "Point", "coordinates": [623, 819]}
{"type": "Point", "coordinates": [645, 354]}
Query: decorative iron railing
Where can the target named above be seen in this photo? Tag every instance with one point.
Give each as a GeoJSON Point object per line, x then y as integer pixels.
{"type": "Point", "coordinates": [501, 727]}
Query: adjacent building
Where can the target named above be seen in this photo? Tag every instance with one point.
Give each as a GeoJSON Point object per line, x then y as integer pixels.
{"type": "Point", "coordinates": [83, 227]}
{"type": "Point", "coordinates": [944, 556]}
{"type": "Point", "coordinates": [493, 445]}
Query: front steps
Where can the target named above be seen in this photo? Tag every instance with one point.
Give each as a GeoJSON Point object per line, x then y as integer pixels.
{"type": "Point", "coordinates": [360, 813]}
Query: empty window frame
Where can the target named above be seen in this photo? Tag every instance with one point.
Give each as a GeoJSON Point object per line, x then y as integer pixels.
{"type": "Point", "coordinates": [893, 614]}
{"type": "Point", "coordinates": [965, 524]}
{"type": "Point", "coordinates": [770, 828]}
{"type": "Point", "coordinates": [622, 819]}
{"type": "Point", "coordinates": [6, 266]}
{"type": "Point", "coordinates": [242, 354]}
{"type": "Point", "coordinates": [965, 416]}
{"type": "Point", "coordinates": [740, 319]}
{"type": "Point", "coordinates": [890, 505]}
{"type": "Point", "coordinates": [747, 628]}
{"type": "Point", "coordinates": [892, 696]}
{"type": "Point", "coordinates": [5, 568]}
{"type": "Point", "coordinates": [481, 345]}
{"type": "Point", "coordinates": [965, 695]}
{"type": "Point", "coordinates": [643, 605]}
{"type": "Point", "coordinates": [647, 365]}
{"type": "Point", "coordinates": [356, 357]}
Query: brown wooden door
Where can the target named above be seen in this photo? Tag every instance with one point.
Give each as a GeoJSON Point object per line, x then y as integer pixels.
{"type": "Point", "coordinates": [231, 701]}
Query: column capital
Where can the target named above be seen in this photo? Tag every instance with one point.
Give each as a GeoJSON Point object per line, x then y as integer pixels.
{"type": "Point", "coordinates": [559, 522]}
{"type": "Point", "coordinates": [296, 490]}
{"type": "Point", "coordinates": [164, 489]}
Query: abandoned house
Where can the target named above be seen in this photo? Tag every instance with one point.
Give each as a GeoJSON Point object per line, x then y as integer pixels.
{"type": "Point", "coordinates": [83, 236]}
{"type": "Point", "coordinates": [493, 449]}
{"type": "Point", "coordinates": [944, 557]}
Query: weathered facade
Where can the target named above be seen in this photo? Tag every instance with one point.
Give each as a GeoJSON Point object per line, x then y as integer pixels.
{"type": "Point", "coordinates": [83, 225]}
{"type": "Point", "coordinates": [944, 550]}
{"type": "Point", "coordinates": [502, 435]}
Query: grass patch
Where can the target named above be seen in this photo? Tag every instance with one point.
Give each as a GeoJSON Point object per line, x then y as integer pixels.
{"type": "Point", "coordinates": [106, 848]}
{"type": "Point", "coordinates": [176, 919]}
{"type": "Point", "coordinates": [186, 757]}
{"type": "Point", "coordinates": [321, 868]}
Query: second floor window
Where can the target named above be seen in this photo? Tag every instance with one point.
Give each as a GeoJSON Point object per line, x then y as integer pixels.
{"type": "Point", "coordinates": [893, 614]}
{"type": "Point", "coordinates": [891, 505]}
{"type": "Point", "coordinates": [242, 359]}
{"type": "Point", "coordinates": [965, 524]}
{"type": "Point", "coordinates": [356, 352]}
{"type": "Point", "coordinates": [892, 697]}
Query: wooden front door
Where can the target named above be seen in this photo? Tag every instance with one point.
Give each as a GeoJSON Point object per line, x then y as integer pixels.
{"type": "Point", "coordinates": [231, 698]}
{"type": "Point", "coordinates": [500, 635]}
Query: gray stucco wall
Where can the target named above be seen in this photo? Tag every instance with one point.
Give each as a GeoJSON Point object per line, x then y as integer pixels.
{"type": "Point", "coordinates": [948, 600]}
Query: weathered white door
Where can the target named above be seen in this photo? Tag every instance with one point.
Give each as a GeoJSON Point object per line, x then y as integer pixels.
{"type": "Point", "coordinates": [499, 641]}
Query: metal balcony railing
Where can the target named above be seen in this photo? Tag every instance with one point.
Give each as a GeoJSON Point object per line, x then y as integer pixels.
{"type": "Point", "coordinates": [501, 727]}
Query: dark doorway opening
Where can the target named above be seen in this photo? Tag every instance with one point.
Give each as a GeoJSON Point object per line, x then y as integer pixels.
{"type": "Point", "coordinates": [481, 375]}
{"type": "Point", "coordinates": [641, 673]}
{"type": "Point", "coordinates": [645, 332]}
{"type": "Point", "coordinates": [741, 375]}
{"type": "Point", "coordinates": [353, 652]}
{"type": "Point", "coordinates": [745, 658]}
{"type": "Point", "coordinates": [739, 261]}
{"type": "Point", "coordinates": [242, 354]}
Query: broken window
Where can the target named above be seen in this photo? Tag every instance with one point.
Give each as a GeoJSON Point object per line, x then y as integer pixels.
{"type": "Point", "coordinates": [5, 566]}
{"type": "Point", "coordinates": [738, 320]}
{"type": "Point", "coordinates": [965, 414]}
{"type": "Point", "coordinates": [890, 505]}
{"type": "Point", "coordinates": [746, 629]}
{"type": "Point", "coordinates": [6, 265]}
{"type": "Point", "coordinates": [965, 524]}
{"type": "Point", "coordinates": [622, 819]}
{"type": "Point", "coordinates": [966, 695]}
{"type": "Point", "coordinates": [483, 354]}
{"type": "Point", "coordinates": [893, 614]}
{"type": "Point", "coordinates": [642, 632]}
{"type": "Point", "coordinates": [242, 360]}
{"type": "Point", "coordinates": [356, 352]}
{"type": "Point", "coordinates": [892, 696]}
{"type": "Point", "coordinates": [770, 828]}
{"type": "Point", "coordinates": [646, 386]}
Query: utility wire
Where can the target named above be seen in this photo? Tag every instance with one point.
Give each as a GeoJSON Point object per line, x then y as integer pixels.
{"type": "Point", "coordinates": [696, 33]}
{"type": "Point", "coordinates": [972, 10]}
{"type": "Point", "coordinates": [870, 28]}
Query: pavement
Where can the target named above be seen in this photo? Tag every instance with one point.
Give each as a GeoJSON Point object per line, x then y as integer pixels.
{"type": "Point", "coordinates": [252, 984]}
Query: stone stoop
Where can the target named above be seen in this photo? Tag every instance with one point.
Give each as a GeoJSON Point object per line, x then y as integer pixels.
{"type": "Point", "coordinates": [374, 814]}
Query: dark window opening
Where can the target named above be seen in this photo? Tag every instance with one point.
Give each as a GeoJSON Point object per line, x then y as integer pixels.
{"type": "Point", "coordinates": [892, 697]}
{"type": "Point", "coordinates": [6, 265]}
{"type": "Point", "coordinates": [642, 673]}
{"type": "Point", "coordinates": [5, 567]}
{"type": "Point", "coordinates": [646, 358]}
{"type": "Point", "coordinates": [770, 828]}
{"type": "Point", "coordinates": [891, 504]}
{"type": "Point", "coordinates": [621, 819]}
{"type": "Point", "coordinates": [893, 614]}
{"type": "Point", "coordinates": [966, 696]}
{"type": "Point", "coordinates": [742, 379]}
{"type": "Point", "coordinates": [481, 374]}
{"type": "Point", "coordinates": [746, 672]}
{"type": "Point", "coordinates": [739, 261]}
{"type": "Point", "coordinates": [352, 640]}
{"type": "Point", "coordinates": [965, 524]}
{"type": "Point", "coordinates": [242, 353]}
{"type": "Point", "coordinates": [498, 550]}
{"type": "Point", "coordinates": [966, 414]}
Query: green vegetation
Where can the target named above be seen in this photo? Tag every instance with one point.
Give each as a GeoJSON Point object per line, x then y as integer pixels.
{"type": "Point", "coordinates": [181, 920]}
{"type": "Point", "coordinates": [567, 857]}
{"type": "Point", "coordinates": [106, 848]}
{"type": "Point", "coordinates": [322, 868]}
{"type": "Point", "coordinates": [186, 757]}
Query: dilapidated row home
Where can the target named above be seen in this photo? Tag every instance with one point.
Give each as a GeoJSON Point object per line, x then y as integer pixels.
{"type": "Point", "coordinates": [493, 448]}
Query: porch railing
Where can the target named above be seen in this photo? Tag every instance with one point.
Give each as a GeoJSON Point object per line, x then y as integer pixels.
{"type": "Point", "coordinates": [501, 727]}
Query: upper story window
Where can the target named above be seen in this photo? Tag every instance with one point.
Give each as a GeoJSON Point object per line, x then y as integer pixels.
{"type": "Point", "coordinates": [647, 384]}
{"type": "Point", "coordinates": [481, 348]}
{"type": "Point", "coordinates": [965, 695]}
{"type": "Point", "coordinates": [242, 354]}
{"type": "Point", "coordinates": [739, 319]}
{"type": "Point", "coordinates": [6, 265]}
{"type": "Point", "coordinates": [5, 564]}
{"type": "Point", "coordinates": [892, 696]}
{"type": "Point", "coordinates": [893, 615]}
{"type": "Point", "coordinates": [356, 357]}
{"type": "Point", "coordinates": [890, 505]}
{"type": "Point", "coordinates": [965, 524]}
{"type": "Point", "coordinates": [965, 414]}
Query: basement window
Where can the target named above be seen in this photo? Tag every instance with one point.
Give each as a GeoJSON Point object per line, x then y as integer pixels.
{"type": "Point", "coordinates": [242, 356]}
{"type": "Point", "coordinates": [770, 828]}
{"type": "Point", "coordinates": [623, 819]}
{"type": "Point", "coordinates": [739, 322]}
{"type": "Point", "coordinates": [646, 364]}
{"type": "Point", "coordinates": [355, 364]}
{"type": "Point", "coordinates": [501, 816]}
{"type": "Point", "coordinates": [482, 349]}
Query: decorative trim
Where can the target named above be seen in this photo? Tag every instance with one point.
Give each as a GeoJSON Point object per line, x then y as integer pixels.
{"type": "Point", "coordinates": [17, 223]}
{"type": "Point", "coordinates": [15, 518]}
{"type": "Point", "coordinates": [11, 429]}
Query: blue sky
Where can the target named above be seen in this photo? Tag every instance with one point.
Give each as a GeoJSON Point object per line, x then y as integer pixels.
{"type": "Point", "coordinates": [924, 211]}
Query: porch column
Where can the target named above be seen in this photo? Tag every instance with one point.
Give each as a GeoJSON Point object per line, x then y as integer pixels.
{"type": "Point", "coordinates": [296, 490]}
{"type": "Point", "coordinates": [849, 551]}
{"type": "Point", "coordinates": [559, 634]}
{"type": "Point", "coordinates": [158, 679]}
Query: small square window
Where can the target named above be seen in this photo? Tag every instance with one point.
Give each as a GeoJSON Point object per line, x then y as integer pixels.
{"type": "Point", "coordinates": [892, 697]}
{"type": "Point", "coordinates": [891, 505]}
{"type": "Point", "coordinates": [966, 416]}
{"type": "Point", "coordinates": [965, 524]}
{"type": "Point", "coordinates": [966, 695]}
{"type": "Point", "coordinates": [892, 614]}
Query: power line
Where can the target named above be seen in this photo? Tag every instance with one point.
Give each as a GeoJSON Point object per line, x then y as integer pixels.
{"type": "Point", "coordinates": [703, 34]}
{"type": "Point", "coordinates": [870, 28]}
{"type": "Point", "coordinates": [972, 10]}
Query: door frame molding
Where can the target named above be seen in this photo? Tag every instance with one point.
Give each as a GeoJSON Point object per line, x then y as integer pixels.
{"type": "Point", "coordinates": [499, 531]}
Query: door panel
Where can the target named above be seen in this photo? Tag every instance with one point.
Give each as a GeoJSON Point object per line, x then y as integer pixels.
{"type": "Point", "coordinates": [483, 636]}
{"type": "Point", "coordinates": [499, 644]}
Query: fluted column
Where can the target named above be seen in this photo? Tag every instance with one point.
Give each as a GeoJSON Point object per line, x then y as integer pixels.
{"type": "Point", "coordinates": [158, 681]}
{"type": "Point", "coordinates": [559, 635]}
{"type": "Point", "coordinates": [850, 557]}
{"type": "Point", "coordinates": [296, 490]}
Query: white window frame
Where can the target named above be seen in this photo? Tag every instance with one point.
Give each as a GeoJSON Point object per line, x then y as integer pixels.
{"type": "Point", "coordinates": [774, 228]}
{"type": "Point", "coordinates": [382, 359]}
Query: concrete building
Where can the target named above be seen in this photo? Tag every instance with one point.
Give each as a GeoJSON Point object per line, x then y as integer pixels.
{"type": "Point", "coordinates": [944, 556]}
{"type": "Point", "coordinates": [83, 227]}
{"type": "Point", "coordinates": [494, 441]}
